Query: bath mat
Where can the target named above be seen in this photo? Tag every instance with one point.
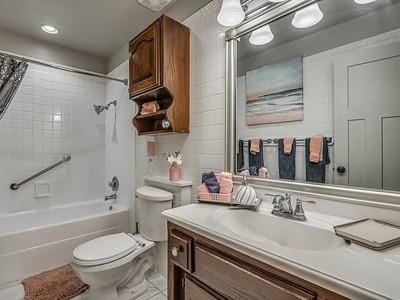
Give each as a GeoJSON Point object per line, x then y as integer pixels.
{"type": "Point", "coordinates": [60, 283]}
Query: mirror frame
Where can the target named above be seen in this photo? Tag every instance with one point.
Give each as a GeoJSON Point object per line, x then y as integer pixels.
{"type": "Point", "coordinates": [354, 195]}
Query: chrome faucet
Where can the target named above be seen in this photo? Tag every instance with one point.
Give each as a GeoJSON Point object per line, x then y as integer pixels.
{"type": "Point", "coordinates": [282, 206]}
{"type": "Point", "coordinates": [111, 197]}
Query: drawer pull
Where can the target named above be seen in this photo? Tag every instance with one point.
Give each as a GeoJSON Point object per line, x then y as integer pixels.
{"type": "Point", "coordinates": [175, 251]}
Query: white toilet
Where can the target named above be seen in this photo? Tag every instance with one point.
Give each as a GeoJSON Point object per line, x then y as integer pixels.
{"type": "Point", "coordinates": [115, 265]}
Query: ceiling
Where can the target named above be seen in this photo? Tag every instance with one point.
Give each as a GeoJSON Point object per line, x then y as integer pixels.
{"type": "Point", "coordinates": [94, 27]}
{"type": "Point", "coordinates": [335, 12]}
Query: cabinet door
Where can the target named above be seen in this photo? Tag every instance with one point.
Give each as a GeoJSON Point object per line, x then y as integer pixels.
{"type": "Point", "coordinates": [145, 60]}
{"type": "Point", "coordinates": [194, 291]}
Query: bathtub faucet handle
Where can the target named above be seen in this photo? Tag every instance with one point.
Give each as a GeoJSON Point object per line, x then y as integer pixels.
{"type": "Point", "coordinates": [111, 197]}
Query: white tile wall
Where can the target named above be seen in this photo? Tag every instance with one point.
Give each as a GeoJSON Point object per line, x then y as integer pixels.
{"type": "Point", "coordinates": [120, 141]}
{"type": "Point", "coordinates": [203, 148]}
{"type": "Point", "coordinates": [52, 114]}
{"type": "Point", "coordinates": [318, 104]}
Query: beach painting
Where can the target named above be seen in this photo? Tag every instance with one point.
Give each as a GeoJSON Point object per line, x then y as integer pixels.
{"type": "Point", "coordinates": [274, 93]}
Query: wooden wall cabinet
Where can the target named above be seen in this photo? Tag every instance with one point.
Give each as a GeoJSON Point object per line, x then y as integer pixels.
{"type": "Point", "coordinates": [199, 268]}
{"type": "Point", "coordinates": [159, 68]}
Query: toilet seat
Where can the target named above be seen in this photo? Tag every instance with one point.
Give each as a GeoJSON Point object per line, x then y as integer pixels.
{"type": "Point", "coordinates": [104, 250]}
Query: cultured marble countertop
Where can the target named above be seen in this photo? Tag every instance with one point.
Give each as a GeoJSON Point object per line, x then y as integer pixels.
{"type": "Point", "coordinates": [351, 270]}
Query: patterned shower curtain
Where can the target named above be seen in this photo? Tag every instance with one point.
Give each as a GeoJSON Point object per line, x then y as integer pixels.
{"type": "Point", "coordinates": [11, 74]}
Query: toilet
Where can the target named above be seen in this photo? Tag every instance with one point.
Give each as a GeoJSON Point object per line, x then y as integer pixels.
{"type": "Point", "coordinates": [115, 265]}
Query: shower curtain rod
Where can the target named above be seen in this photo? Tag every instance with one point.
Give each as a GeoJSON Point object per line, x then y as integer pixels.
{"type": "Point", "coordinates": [63, 68]}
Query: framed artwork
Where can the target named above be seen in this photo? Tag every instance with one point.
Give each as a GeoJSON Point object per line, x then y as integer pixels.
{"type": "Point", "coordinates": [274, 93]}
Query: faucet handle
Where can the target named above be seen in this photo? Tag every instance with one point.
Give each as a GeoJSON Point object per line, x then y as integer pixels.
{"type": "Point", "coordinates": [299, 211]}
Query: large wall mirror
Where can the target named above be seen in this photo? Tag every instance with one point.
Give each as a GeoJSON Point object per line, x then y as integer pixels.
{"type": "Point", "coordinates": [318, 95]}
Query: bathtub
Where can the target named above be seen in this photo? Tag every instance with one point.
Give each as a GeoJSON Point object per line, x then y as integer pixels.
{"type": "Point", "coordinates": [34, 241]}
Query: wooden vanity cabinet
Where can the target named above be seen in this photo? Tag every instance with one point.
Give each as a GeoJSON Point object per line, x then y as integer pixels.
{"type": "Point", "coordinates": [200, 268]}
{"type": "Point", "coordinates": [159, 68]}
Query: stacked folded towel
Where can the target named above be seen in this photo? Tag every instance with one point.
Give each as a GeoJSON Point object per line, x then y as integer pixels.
{"type": "Point", "coordinates": [211, 181]}
{"type": "Point", "coordinates": [149, 107]}
{"type": "Point", "coordinates": [216, 184]}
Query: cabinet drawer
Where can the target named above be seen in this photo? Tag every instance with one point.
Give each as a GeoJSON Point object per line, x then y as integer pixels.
{"type": "Point", "coordinates": [237, 280]}
{"type": "Point", "coordinates": [180, 249]}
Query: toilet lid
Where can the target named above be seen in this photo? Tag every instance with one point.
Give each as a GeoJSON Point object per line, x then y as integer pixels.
{"type": "Point", "coordinates": [104, 249]}
{"type": "Point", "coordinates": [153, 194]}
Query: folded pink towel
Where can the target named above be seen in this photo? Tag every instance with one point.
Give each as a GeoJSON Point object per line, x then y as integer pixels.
{"type": "Point", "coordinates": [245, 173]}
{"type": "Point", "coordinates": [263, 172]}
{"type": "Point", "coordinates": [316, 148]}
{"type": "Point", "coordinates": [254, 146]}
{"type": "Point", "coordinates": [287, 144]}
{"type": "Point", "coordinates": [226, 175]}
{"type": "Point", "coordinates": [225, 183]}
{"type": "Point", "coordinates": [202, 189]}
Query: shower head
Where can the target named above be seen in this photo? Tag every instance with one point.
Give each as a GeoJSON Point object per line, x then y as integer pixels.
{"type": "Point", "coordinates": [98, 108]}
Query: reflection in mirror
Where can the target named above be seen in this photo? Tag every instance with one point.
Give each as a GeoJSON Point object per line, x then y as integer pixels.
{"type": "Point", "coordinates": [318, 96]}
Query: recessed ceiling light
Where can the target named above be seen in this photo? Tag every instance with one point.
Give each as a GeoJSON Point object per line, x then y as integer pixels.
{"type": "Point", "coordinates": [364, 1]}
{"type": "Point", "coordinates": [49, 29]}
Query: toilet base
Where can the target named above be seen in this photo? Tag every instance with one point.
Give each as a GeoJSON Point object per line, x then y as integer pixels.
{"type": "Point", "coordinates": [121, 279]}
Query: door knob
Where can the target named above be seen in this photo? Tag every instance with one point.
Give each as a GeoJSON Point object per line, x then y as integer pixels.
{"type": "Point", "coordinates": [341, 169]}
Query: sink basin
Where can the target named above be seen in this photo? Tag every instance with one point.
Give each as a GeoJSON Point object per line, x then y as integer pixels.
{"type": "Point", "coordinates": [260, 227]}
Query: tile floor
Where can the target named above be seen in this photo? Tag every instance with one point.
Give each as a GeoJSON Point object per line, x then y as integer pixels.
{"type": "Point", "coordinates": [157, 289]}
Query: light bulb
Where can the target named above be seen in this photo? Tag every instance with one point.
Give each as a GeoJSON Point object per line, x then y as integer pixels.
{"type": "Point", "coordinates": [49, 29]}
{"type": "Point", "coordinates": [364, 1]}
{"type": "Point", "coordinates": [307, 17]}
{"type": "Point", "coordinates": [231, 13]}
{"type": "Point", "coordinates": [261, 36]}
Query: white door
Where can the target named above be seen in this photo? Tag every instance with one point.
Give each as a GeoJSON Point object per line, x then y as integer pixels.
{"type": "Point", "coordinates": [367, 118]}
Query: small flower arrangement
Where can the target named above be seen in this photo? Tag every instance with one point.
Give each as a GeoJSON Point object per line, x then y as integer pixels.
{"type": "Point", "coordinates": [174, 158]}
{"type": "Point", "coordinates": [175, 162]}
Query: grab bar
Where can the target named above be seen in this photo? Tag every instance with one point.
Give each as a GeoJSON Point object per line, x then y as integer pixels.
{"type": "Point", "coordinates": [15, 186]}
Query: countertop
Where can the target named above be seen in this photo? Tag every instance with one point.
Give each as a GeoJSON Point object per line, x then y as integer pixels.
{"type": "Point", "coordinates": [351, 270]}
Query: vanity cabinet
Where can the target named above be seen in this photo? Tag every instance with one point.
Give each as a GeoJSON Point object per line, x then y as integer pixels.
{"type": "Point", "coordinates": [159, 67]}
{"type": "Point", "coordinates": [200, 268]}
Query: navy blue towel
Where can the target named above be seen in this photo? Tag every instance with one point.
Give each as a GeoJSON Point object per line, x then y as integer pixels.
{"type": "Point", "coordinates": [287, 162]}
{"type": "Point", "coordinates": [256, 160]}
{"type": "Point", "coordinates": [240, 157]}
{"type": "Point", "coordinates": [316, 172]}
{"type": "Point", "coordinates": [211, 182]}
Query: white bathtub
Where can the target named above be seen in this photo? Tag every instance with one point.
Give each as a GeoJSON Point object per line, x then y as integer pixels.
{"type": "Point", "coordinates": [34, 241]}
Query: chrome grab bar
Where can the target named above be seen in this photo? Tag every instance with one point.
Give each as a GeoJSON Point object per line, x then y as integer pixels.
{"type": "Point", "coordinates": [15, 186]}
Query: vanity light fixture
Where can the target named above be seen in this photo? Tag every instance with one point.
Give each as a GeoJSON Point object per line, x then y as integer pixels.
{"type": "Point", "coordinates": [308, 16]}
{"type": "Point", "coordinates": [364, 1]}
{"type": "Point", "coordinates": [261, 36]}
{"type": "Point", "coordinates": [49, 29]}
{"type": "Point", "coordinates": [231, 13]}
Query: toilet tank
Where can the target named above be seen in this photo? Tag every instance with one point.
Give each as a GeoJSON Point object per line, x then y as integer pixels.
{"type": "Point", "coordinates": [151, 203]}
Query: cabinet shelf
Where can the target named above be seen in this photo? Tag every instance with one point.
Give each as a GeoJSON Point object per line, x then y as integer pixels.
{"type": "Point", "coordinates": [153, 116]}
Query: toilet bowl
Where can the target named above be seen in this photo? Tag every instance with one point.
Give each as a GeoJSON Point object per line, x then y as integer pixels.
{"type": "Point", "coordinates": [115, 265]}
{"type": "Point", "coordinates": [107, 262]}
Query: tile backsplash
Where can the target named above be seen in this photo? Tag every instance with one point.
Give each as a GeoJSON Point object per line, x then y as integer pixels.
{"type": "Point", "coordinates": [51, 115]}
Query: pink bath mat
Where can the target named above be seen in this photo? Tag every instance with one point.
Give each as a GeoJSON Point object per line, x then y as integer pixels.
{"type": "Point", "coordinates": [60, 283]}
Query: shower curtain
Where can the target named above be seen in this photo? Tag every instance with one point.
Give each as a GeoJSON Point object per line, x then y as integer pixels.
{"type": "Point", "coordinates": [11, 74]}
